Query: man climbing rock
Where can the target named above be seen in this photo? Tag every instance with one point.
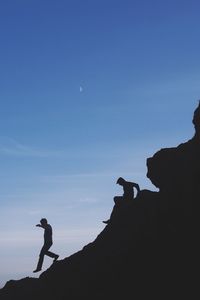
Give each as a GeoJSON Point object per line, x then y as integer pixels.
{"type": "Point", "coordinates": [48, 242]}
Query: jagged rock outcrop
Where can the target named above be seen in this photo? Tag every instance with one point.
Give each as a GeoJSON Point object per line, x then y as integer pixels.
{"type": "Point", "coordinates": [176, 172]}
{"type": "Point", "coordinates": [196, 121]}
{"type": "Point", "coordinates": [149, 248]}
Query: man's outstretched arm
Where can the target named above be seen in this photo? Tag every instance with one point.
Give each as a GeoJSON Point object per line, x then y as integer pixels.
{"type": "Point", "coordinates": [39, 225]}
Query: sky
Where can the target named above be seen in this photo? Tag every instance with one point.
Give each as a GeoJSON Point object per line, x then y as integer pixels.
{"type": "Point", "coordinates": [89, 89]}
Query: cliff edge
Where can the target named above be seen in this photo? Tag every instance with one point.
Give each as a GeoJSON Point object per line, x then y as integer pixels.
{"type": "Point", "coordinates": [148, 249]}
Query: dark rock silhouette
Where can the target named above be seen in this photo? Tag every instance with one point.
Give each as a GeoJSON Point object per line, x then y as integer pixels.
{"type": "Point", "coordinates": [150, 249]}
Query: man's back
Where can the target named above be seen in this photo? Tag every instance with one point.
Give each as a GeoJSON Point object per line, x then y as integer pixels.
{"type": "Point", "coordinates": [128, 188]}
{"type": "Point", "coordinates": [48, 234]}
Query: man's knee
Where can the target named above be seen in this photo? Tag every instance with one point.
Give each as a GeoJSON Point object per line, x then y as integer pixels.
{"type": "Point", "coordinates": [117, 199]}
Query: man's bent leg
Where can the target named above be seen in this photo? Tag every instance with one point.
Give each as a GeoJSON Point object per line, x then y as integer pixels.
{"type": "Point", "coordinates": [49, 253]}
{"type": "Point", "coordinates": [53, 255]}
{"type": "Point", "coordinates": [118, 199]}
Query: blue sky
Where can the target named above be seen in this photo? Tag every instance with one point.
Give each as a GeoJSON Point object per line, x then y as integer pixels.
{"type": "Point", "coordinates": [61, 147]}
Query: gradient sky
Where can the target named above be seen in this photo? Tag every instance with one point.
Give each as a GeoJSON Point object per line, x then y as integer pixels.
{"type": "Point", "coordinates": [89, 90]}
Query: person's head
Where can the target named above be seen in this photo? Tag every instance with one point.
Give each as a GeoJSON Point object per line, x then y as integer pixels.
{"type": "Point", "coordinates": [120, 181]}
{"type": "Point", "coordinates": [43, 222]}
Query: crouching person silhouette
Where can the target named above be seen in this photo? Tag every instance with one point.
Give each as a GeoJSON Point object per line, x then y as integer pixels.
{"type": "Point", "coordinates": [128, 188]}
{"type": "Point", "coordinates": [48, 242]}
{"type": "Point", "coordinates": [128, 196]}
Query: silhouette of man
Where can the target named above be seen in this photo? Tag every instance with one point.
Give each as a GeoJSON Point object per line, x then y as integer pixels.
{"type": "Point", "coordinates": [128, 195]}
{"type": "Point", "coordinates": [128, 188]}
{"type": "Point", "coordinates": [48, 242]}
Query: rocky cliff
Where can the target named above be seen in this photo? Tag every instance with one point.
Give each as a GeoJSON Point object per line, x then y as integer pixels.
{"type": "Point", "coordinates": [148, 249]}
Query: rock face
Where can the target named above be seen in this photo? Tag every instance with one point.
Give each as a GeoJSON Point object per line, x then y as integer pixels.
{"type": "Point", "coordinates": [176, 172]}
{"type": "Point", "coordinates": [149, 248]}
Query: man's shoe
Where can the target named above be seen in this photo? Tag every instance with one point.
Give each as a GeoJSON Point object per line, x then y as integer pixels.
{"type": "Point", "coordinates": [106, 222]}
{"type": "Point", "coordinates": [55, 259]}
{"type": "Point", "coordinates": [37, 270]}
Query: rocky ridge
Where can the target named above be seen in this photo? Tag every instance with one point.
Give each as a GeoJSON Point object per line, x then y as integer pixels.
{"type": "Point", "coordinates": [149, 248]}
